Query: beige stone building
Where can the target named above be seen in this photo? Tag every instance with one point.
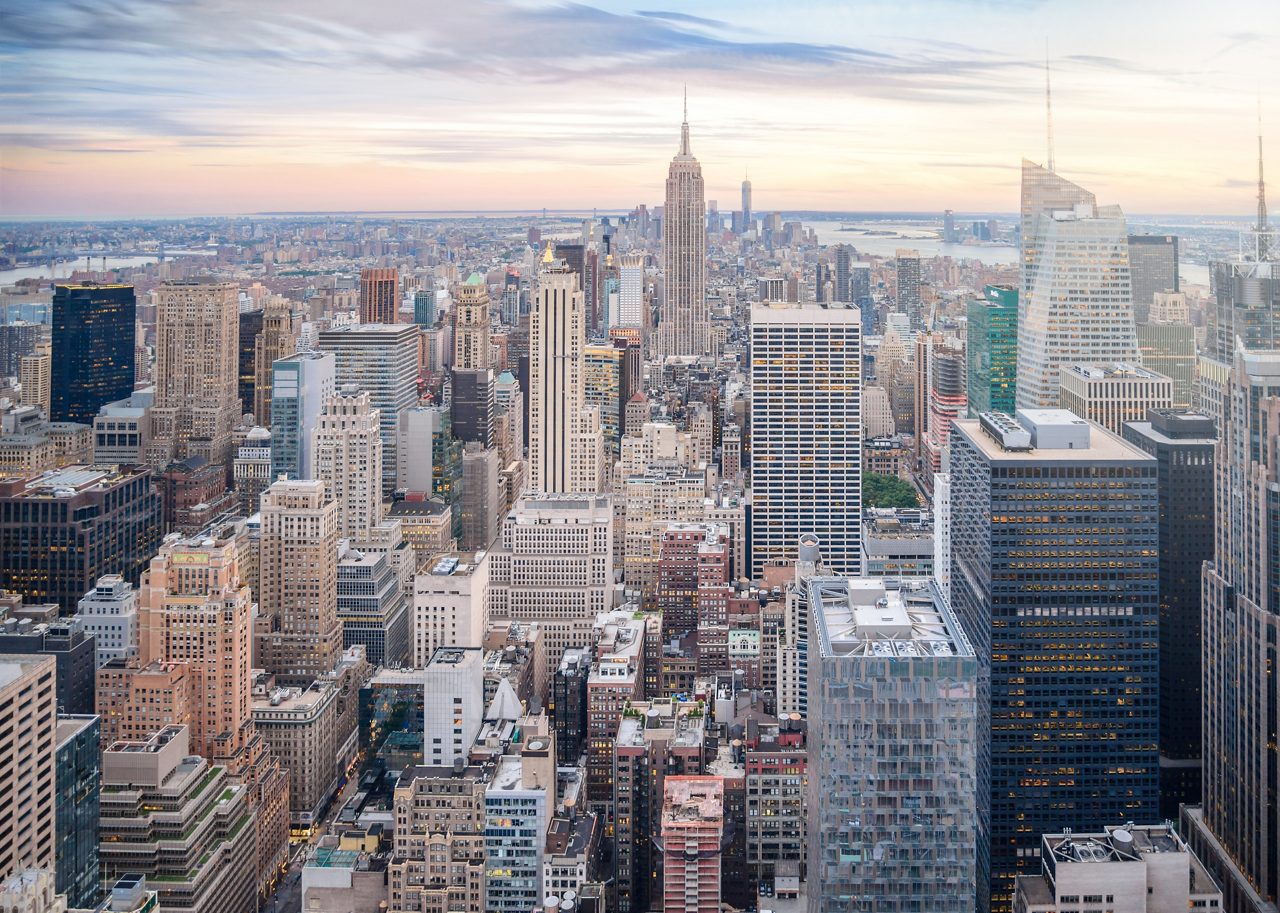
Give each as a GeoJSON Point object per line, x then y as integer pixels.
{"type": "Point", "coordinates": [298, 633]}
{"type": "Point", "coordinates": [197, 403]}
{"type": "Point", "coordinates": [1113, 393]}
{"type": "Point", "coordinates": [29, 707]}
{"type": "Point", "coordinates": [347, 449]}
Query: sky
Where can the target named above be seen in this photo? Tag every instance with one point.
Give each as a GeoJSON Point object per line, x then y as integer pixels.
{"type": "Point", "coordinates": [120, 108]}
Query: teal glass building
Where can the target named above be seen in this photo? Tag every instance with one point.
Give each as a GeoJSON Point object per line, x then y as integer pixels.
{"type": "Point", "coordinates": [993, 351]}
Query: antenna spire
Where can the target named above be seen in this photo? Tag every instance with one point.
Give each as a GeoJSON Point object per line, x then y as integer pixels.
{"type": "Point", "coordinates": [684, 126]}
{"type": "Point", "coordinates": [1048, 104]}
{"type": "Point", "coordinates": [1262, 196]}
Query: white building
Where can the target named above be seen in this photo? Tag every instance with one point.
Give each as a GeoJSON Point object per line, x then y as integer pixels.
{"type": "Point", "coordinates": [1113, 393]}
{"type": "Point", "coordinates": [419, 427]}
{"type": "Point", "coordinates": [110, 613]}
{"type": "Point", "coordinates": [553, 564]}
{"type": "Point", "coordinates": [348, 459]}
{"type": "Point", "coordinates": [1142, 869]}
{"type": "Point", "coordinates": [449, 604]}
{"type": "Point", "coordinates": [806, 432]}
{"type": "Point", "coordinates": [453, 705]}
{"type": "Point", "coordinates": [517, 807]}
{"type": "Point", "coordinates": [566, 446]}
{"type": "Point", "coordinates": [631, 291]}
{"type": "Point", "coordinates": [1077, 301]}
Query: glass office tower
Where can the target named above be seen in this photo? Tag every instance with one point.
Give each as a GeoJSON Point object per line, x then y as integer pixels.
{"type": "Point", "coordinates": [992, 351]}
{"type": "Point", "coordinates": [92, 364]}
{"type": "Point", "coordinates": [1054, 576]}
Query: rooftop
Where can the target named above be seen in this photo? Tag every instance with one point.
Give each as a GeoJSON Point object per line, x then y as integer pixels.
{"type": "Point", "coordinates": [1118, 370]}
{"type": "Point", "coordinates": [870, 617]}
{"type": "Point", "coordinates": [692, 799]}
{"type": "Point", "coordinates": [1001, 439]}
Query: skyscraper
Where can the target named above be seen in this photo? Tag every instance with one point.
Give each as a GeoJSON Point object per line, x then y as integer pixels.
{"type": "Point", "coordinates": [379, 295]}
{"type": "Point", "coordinates": [276, 340]}
{"type": "Point", "coordinates": [250, 327]}
{"type": "Point", "coordinates": [893, 693]}
{"type": "Point", "coordinates": [1076, 303]}
{"type": "Point", "coordinates": [686, 322]}
{"type": "Point", "coordinates": [746, 205]}
{"type": "Point", "coordinates": [631, 291]}
{"type": "Point", "coordinates": [1153, 266]}
{"type": "Point", "coordinates": [1182, 444]}
{"type": "Point", "coordinates": [1112, 394]}
{"type": "Point", "coordinates": [1054, 563]}
{"type": "Point", "coordinates": [92, 356]}
{"type": "Point", "coordinates": [348, 459]}
{"type": "Point", "coordinates": [382, 361]}
{"type": "Point", "coordinates": [1235, 832]}
{"type": "Point", "coordinates": [473, 395]}
{"type": "Point", "coordinates": [806, 432]}
{"type": "Point", "coordinates": [300, 386]}
{"type": "Point", "coordinates": [197, 400]}
{"type": "Point", "coordinates": [992, 351]}
{"type": "Point", "coordinates": [297, 631]}
{"type": "Point", "coordinates": [27, 777]}
{"type": "Point", "coordinates": [908, 269]}
{"type": "Point", "coordinates": [562, 457]}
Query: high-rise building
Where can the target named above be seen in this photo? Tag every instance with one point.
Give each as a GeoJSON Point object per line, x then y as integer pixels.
{"type": "Point", "coordinates": [947, 401]}
{"type": "Point", "coordinates": [348, 459]}
{"type": "Point", "coordinates": [17, 339]}
{"type": "Point", "coordinates": [1153, 266]}
{"type": "Point", "coordinates": [246, 385]}
{"type": "Point", "coordinates": [1168, 347]}
{"type": "Point", "coordinates": [1065, 620]}
{"type": "Point", "coordinates": [382, 361]}
{"type": "Point", "coordinates": [35, 376]}
{"type": "Point", "coordinates": [28, 742]}
{"type": "Point", "coordinates": [692, 828]}
{"type": "Point", "coordinates": [473, 381]}
{"type": "Point", "coordinates": [806, 432]}
{"type": "Point", "coordinates": [92, 355]}
{"type": "Point", "coordinates": [197, 402]}
{"type": "Point", "coordinates": [454, 708]}
{"type": "Point", "coordinates": [1182, 444]}
{"type": "Point", "coordinates": [992, 351]}
{"type": "Point", "coordinates": [300, 386]}
{"type": "Point", "coordinates": [61, 531]}
{"type": "Point", "coordinates": [1234, 833]}
{"type": "Point", "coordinates": [79, 790]}
{"type": "Point", "coordinates": [372, 607]}
{"type": "Point", "coordinates": [251, 470]}
{"type": "Point", "coordinates": [907, 263]}
{"type": "Point", "coordinates": [631, 291]}
{"type": "Point", "coordinates": [298, 636]}
{"type": "Point", "coordinates": [424, 307]}
{"type": "Point", "coordinates": [894, 703]}
{"type": "Point", "coordinates": [1076, 304]}
{"type": "Point", "coordinates": [379, 295]}
{"type": "Point", "coordinates": [1112, 394]}
{"type": "Point", "coordinates": [519, 803]}
{"type": "Point", "coordinates": [747, 216]}
{"type": "Point", "coordinates": [71, 647]}
{"type": "Point", "coordinates": [109, 612]}
{"type": "Point", "coordinates": [1245, 305]}
{"type": "Point", "coordinates": [482, 503]}
{"type": "Point", "coordinates": [686, 322]}
{"type": "Point", "coordinates": [603, 376]}
{"type": "Point", "coordinates": [566, 450]}
{"type": "Point", "coordinates": [449, 604]}
{"type": "Point", "coordinates": [179, 821]}
{"type": "Point", "coordinates": [573, 533]}
{"type": "Point", "coordinates": [568, 704]}
{"type": "Point", "coordinates": [438, 857]}
{"type": "Point", "coordinates": [276, 340]}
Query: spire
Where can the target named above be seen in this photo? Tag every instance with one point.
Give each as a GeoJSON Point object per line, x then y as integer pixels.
{"type": "Point", "coordinates": [1048, 105]}
{"type": "Point", "coordinates": [684, 127]}
{"type": "Point", "coordinates": [1262, 226]}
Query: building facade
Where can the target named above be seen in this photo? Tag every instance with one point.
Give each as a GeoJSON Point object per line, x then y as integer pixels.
{"type": "Point", "coordinates": [806, 432]}
{"type": "Point", "coordinates": [92, 360]}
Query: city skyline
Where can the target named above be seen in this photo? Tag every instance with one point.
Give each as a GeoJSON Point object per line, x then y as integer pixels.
{"type": "Point", "coordinates": [573, 105]}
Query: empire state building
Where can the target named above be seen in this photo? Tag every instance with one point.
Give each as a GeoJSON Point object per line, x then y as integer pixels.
{"type": "Point", "coordinates": [686, 323]}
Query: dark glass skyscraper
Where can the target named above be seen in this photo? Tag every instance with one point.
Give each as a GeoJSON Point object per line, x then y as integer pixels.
{"type": "Point", "coordinates": [1182, 443]}
{"type": "Point", "coordinates": [1153, 265]}
{"type": "Point", "coordinates": [1054, 575]}
{"type": "Point", "coordinates": [993, 351]}
{"type": "Point", "coordinates": [250, 327]}
{"type": "Point", "coordinates": [92, 365]}
{"type": "Point", "coordinates": [77, 806]}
